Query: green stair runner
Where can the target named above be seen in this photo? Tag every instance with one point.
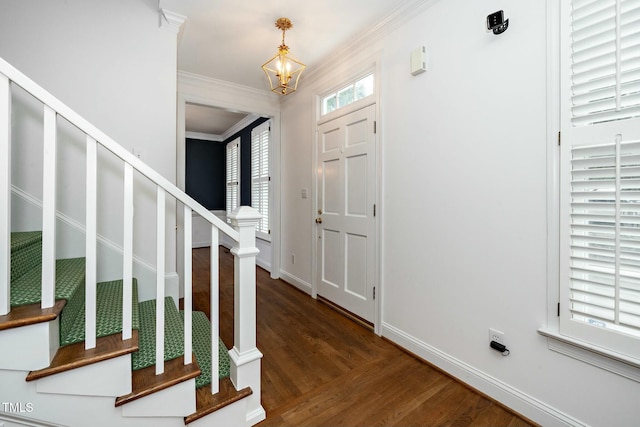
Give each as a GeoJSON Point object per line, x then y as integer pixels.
{"type": "Point", "coordinates": [174, 340]}
{"type": "Point", "coordinates": [109, 297]}
{"type": "Point", "coordinates": [26, 248]}
{"type": "Point", "coordinates": [173, 334]}
{"type": "Point", "coordinates": [202, 349]}
{"type": "Point", "coordinates": [26, 288]}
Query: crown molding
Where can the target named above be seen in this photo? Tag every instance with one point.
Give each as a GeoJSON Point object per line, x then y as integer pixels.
{"type": "Point", "coordinates": [399, 16]}
{"type": "Point", "coordinates": [204, 136]}
{"type": "Point", "coordinates": [250, 118]}
{"type": "Point", "coordinates": [240, 125]}
{"type": "Point", "coordinates": [198, 80]}
{"type": "Point", "coordinates": [172, 22]}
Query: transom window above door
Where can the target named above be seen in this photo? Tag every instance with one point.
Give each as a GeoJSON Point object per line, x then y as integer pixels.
{"type": "Point", "coordinates": [352, 92]}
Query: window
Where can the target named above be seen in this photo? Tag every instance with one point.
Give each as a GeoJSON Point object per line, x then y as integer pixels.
{"type": "Point", "coordinates": [260, 180]}
{"type": "Point", "coordinates": [600, 175]}
{"type": "Point", "coordinates": [349, 94]}
{"type": "Point", "coordinates": [233, 175]}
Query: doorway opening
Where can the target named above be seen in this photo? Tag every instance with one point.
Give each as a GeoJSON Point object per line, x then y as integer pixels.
{"type": "Point", "coordinates": [220, 120]}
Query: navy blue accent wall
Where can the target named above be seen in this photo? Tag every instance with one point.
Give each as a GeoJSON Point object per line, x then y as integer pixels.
{"type": "Point", "coordinates": [206, 173]}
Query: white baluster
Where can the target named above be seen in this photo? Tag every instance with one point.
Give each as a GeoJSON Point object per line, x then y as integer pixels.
{"type": "Point", "coordinates": [127, 256]}
{"type": "Point", "coordinates": [215, 309]}
{"type": "Point", "coordinates": [49, 208]}
{"type": "Point", "coordinates": [160, 281]}
{"type": "Point", "coordinates": [5, 194]}
{"type": "Point", "coordinates": [188, 297]}
{"type": "Point", "coordinates": [90, 244]}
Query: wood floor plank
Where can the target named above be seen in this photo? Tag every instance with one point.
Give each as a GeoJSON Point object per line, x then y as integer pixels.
{"type": "Point", "coordinates": [323, 369]}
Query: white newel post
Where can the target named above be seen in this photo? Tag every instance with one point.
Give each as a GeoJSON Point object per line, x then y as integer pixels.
{"type": "Point", "coordinates": [245, 356]}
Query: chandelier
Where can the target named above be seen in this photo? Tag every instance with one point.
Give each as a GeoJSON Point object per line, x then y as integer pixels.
{"type": "Point", "coordinates": [282, 70]}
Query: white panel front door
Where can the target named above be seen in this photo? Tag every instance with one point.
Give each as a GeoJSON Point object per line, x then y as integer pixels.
{"type": "Point", "coordinates": [345, 220]}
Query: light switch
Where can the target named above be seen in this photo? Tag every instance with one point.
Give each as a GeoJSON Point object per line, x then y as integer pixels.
{"type": "Point", "coordinates": [304, 193]}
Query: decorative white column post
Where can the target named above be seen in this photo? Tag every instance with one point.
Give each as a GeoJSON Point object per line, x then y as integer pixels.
{"type": "Point", "coordinates": [245, 356]}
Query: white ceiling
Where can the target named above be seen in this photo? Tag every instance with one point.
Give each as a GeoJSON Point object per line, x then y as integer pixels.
{"type": "Point", "coordinates": [230, 40]}
{"type": "Point", "coordinates": [210, 121]}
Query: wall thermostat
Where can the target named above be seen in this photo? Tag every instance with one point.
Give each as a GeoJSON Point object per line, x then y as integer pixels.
{"type": "Point", "coordinates": [418, 61]}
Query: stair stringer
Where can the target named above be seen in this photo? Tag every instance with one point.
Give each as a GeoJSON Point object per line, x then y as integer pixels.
{"type": "Point", "coordinates": [97, 411]}
{"type": "Point", "coordinates": [15, 420]}
{"type": "Point", "coordinates": [30, 347]}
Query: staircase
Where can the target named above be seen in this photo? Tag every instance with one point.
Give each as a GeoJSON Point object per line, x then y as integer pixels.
{"type": "Point", "coordinates": [77, 352]}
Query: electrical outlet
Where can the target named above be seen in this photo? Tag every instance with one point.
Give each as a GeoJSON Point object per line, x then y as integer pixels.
{"type": "Point", "coordinates": [496, 335]}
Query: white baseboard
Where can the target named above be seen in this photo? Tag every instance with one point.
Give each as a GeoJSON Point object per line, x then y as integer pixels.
{"type": "Point", "coordinates": [509, 396]}
{"type": "Point", "coordinates": [203, 244]}
{"type": "Point", "coordinates": [263, 264]}
{"type": "Point", "coordinates": [255, 416]}
{"type": "Point", "coordinates": [295, 281]}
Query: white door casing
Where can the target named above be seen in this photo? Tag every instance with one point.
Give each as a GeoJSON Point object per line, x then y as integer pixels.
{"type": "Point", "coordinates": [346, 197]}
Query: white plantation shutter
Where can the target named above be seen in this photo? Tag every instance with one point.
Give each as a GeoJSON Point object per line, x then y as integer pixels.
{"type": "Point", "coordinates": [600, 174]}
{"type": "Point", "coordinates": [233, 175]}
{"type": "Point", "coordinates": [260, 180]}
{"type": "Point", "coordinates": [605, 236]}
{"type": "Point", "coordinates": [606, 60]}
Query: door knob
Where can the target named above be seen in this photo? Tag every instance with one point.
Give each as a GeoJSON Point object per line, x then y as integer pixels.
{"type": "Point", "coordinates": [318, 220]}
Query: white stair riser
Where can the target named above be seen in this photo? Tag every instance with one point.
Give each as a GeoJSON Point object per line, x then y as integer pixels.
{"type": "Point", "coordinates": [30, 347]}
{"type": "Point", "coordinates": [64, 410]}
{"type": "Point", "coordinates": [233, 415]}
{"type": "Point", "coordinates": [176, 401]}
{"type": "Point", "coordinates": [108, 378]}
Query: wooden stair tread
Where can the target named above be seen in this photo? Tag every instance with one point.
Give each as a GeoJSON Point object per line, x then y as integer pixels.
{"type": "Point", "coordinates": [75, 356]}
{"type": "Point", "coordinates": [145, 381]}
{"type": "Point", "coordinates": [31, 314]}
{"type": "Point", "coordinates": [207, 403]}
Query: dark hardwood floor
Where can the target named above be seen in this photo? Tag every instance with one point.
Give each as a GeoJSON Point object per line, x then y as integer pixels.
{"type": "Point", "coordinates": [322, 369]}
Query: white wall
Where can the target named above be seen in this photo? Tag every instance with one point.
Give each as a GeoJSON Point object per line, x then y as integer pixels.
{"type": "Point", "coordinates": [464, 208]}
{"type": "Point", "coordinates": [115, 66]}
